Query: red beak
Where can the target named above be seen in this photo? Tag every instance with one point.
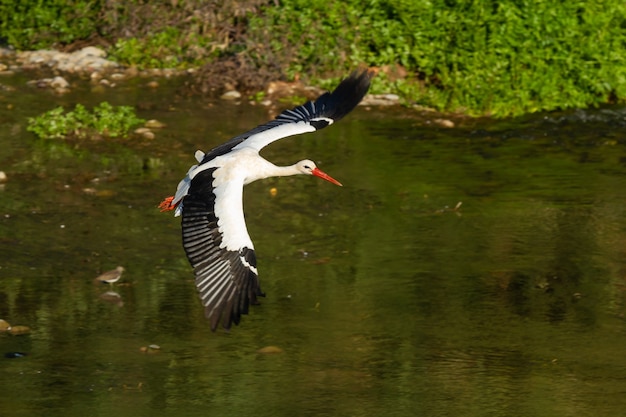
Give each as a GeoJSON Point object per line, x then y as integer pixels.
{"type": "Point", "coordinates": [319, 173]}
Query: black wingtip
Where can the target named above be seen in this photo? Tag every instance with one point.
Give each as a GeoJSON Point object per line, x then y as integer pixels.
{"type": "Point", "coordinates": [347, 95]}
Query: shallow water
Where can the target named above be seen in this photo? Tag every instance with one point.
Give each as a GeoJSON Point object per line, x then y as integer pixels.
{"type": "Point", "coordinates": [470, 271]}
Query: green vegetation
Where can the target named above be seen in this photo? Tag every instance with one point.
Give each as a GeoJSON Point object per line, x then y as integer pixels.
{"type": "Point", "coordinates": [167, 49]}
{"type": "Point", "coordinates": [498, 57]}
{"type": "Point", "coordinates": [475, 56]}
{"type": "Point", "coordinates": [34, 24]}
{"type": "Point", "coordinates": [104, 120]}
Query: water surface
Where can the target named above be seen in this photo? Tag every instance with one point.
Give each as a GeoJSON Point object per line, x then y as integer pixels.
{"type": "Point", "coordinates": [471, 271]}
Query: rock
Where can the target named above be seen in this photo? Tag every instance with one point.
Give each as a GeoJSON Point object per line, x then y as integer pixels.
{"type": "Point", "coordinates": [95, 76]}
{"type": "Point", "coordinates": [444, 122]}
{"type": "Point", "coordinates": [154, 124]}
{"type": "Point", "coordinates": [86, 59]}
{"type": "Point", "coordinates": [6, 52]}
{"type": "Point", "coordinates": [381, 100]}
{"type": "Point", "coordinates": [91, 51]}
{"type": "Point", "coordinates": [132, 71]}
{"type": "Point", "coordinates": [59, 82]}
{"type": "Point", "coordinates": [231, 95]}
{"type": "Point", "coordinates": [4, 325]}
{"type": "Point", "coordinates": [144, 132]}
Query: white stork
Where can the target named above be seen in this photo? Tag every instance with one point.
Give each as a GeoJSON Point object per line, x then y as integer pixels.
{"type": "Point", "coordinates": [210, 199]}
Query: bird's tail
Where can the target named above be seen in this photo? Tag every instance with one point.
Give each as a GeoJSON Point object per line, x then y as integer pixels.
{"type": "Point", "coordinates": [166, 205]}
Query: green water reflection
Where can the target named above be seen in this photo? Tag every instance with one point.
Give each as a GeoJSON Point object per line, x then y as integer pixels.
{"type": "Point", "coordinates": [385, 297]}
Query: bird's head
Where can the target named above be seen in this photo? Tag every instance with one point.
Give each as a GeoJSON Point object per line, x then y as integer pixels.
{"type": "Point", "coordinates": [308, 167]}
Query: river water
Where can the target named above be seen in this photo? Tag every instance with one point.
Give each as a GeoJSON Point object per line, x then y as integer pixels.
{"type": "Point", "coordinates": [473, 271]}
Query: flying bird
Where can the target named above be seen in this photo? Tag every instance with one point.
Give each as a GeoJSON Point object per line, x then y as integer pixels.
{"type": "Point", "coordinates": [210, 200]}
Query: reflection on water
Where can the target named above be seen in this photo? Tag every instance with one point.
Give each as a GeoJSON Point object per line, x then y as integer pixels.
{"type": "Point", "coordinates": [468, 271]}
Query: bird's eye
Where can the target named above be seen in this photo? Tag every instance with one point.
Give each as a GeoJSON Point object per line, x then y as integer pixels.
{"type": "Point", "coordinates": [307, 167]}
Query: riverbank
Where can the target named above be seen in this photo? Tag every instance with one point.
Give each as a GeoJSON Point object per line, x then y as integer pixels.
{"type": "Point", "coordinates": [91, 63]}
{"type": "Point", "coordinates": [491, 59]}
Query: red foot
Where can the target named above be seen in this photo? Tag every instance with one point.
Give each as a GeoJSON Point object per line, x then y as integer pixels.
{"type": "Point", "coordinates": [166, 205]}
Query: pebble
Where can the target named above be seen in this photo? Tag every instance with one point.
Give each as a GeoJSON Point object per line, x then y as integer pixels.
{"type": "Point", "coordinates": [144, 132]}
{"type": "Point", "coordinates": [59, 82]}
{"type": "Point", "coordinates": [380, 100]}
{"type": "Point", "coordinates": [444, 123]}
{"type": "Point", "coordinates": [231, 95]}
{"type": "Point", "coordinates": [154, 124]}
{"type": "Point", "coordinates": [4, 325]}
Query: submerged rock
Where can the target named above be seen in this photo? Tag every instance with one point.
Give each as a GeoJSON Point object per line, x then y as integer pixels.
{"type": "Point", "coordinates": [4, 325]}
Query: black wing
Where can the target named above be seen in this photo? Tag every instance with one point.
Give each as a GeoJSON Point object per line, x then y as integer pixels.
{"type": "Point", "coordinates": [313, 115]}
{"type": "Point", "coordinates": [226, 279]}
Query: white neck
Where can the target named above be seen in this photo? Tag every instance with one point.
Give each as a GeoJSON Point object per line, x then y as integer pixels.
{"type": "Point", "coordinates": [266, 170]}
